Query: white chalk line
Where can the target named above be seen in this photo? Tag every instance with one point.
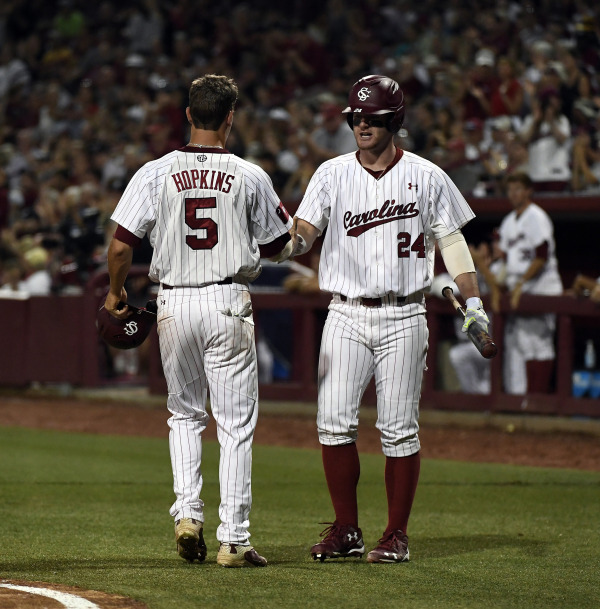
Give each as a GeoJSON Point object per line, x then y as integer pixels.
{"type": "Point", "coordinates": [70, 601]}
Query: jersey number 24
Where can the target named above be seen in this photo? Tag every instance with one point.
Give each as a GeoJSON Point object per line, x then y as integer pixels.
{"type": "Point", "coordinates": [405, 248]}
{"type": "Point", "coordinates": [209, 225]}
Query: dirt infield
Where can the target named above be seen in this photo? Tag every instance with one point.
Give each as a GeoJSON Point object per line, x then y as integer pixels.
{"type": "Point", "coordinates": [16, 594]}
{"type": "Point", "coordinates": [515, 440]}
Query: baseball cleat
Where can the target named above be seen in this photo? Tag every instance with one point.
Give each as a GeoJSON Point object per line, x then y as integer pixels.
{"type": "Point", "coordinates": [190, 540]}
{"type": "Point", "coordinates": [393, 547]}
{"type": "Point", "coordinates": [339, 541]}
{"type": "Point", "coordinates": [234, 555]}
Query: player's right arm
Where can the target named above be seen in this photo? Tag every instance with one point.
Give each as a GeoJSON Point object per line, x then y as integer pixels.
{"type": "Point", "coordinates": [303, 236]}
{"type": "Point", "coordinates": [120, 255]}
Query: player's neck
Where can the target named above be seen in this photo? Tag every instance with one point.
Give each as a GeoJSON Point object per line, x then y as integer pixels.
{"type": "Point", "coordinates": [521, 208]}
{"type": "Point", "coordinates": [377, 160]}
{"type": "Point", "coordinates": [210, 139]}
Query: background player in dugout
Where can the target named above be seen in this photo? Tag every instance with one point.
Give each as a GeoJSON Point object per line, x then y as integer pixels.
{"type": "Point", "coordinates": [210, 216]}
{"type": "Point", "coordinates": [529, 266]}
{"type": "Point", "coordinates": [384, 209]}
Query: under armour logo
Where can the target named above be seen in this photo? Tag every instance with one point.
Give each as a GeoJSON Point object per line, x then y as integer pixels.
{"type": "Point", "coordinates": [364, 93]}
{"type": "Point", "coordinates": [352, 536]}
{"type": "Point", "coordinates": [410, 186]}
{"type": "Point", "coordinates": [131, 328]}
{"type": "Point", "coordinates": [201, 158]}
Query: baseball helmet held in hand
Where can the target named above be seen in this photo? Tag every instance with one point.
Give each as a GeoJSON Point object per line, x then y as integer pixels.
{"type": "Point", "coordinates": [126, 333]}
{"type": "Point", "coordinates": [377, 94]}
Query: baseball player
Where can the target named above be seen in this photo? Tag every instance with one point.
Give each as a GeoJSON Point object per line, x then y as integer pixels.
{"type": "Point", "coordinates": [529, 251]}
{"type": "Point", "coordinates": [384, 209]}
{"type": "Point", "coordinates": [210, 216]}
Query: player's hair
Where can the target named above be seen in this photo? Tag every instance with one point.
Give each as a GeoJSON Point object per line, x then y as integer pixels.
{"type": "Point", "coordinates": [212, 97]}
{"type": "Point", "coordinates": [521, 177]}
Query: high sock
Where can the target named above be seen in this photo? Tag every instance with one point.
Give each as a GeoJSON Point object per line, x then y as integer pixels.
{"type": "Point", "coordinates": [342, 471]}
{"type": "Point", "coordinates": [401, 479]}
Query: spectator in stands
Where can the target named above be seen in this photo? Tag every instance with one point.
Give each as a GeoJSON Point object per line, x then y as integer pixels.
{"type": "Point", "coordinates": [547, 133]}
{"type": "Point", "coordinates": [507, 98]}
{"type": "Point", "coordinates": [481, 84]}
{"type": "Point", "coordinates": [333, 137]}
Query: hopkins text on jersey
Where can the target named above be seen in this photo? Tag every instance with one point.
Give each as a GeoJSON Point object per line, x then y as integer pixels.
{"type": "Point", "coordinates": [203, 178]}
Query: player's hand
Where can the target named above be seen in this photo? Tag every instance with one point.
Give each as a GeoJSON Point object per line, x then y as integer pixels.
{"type": "Point", "coordinates": [117, 305]}
{"type": "Point", "coordinates": [515, 295]}
{"type": "Point", "coordinates": [478, 314]}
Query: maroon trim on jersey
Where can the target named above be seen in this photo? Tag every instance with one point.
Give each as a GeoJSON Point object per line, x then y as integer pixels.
{"type": "Point", "coordinates": [542, 251]}
{"type": "Point", "coordinates": [274, 247]}
{"type": "Point", "coordinates": [212, 150]}
{"type": "Point", "coordinates": [379, 174]}
{"type": "Point", "coordinates": [122, 234]}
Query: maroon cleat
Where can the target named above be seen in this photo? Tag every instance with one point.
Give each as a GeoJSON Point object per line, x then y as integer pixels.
{"type": "Point", "coordinates": [393, 547]}
{"type": "Point", "coordinates": [339, 541]}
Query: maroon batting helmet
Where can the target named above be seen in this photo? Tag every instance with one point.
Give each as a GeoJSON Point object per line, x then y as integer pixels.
{"type": "Point", "coordinates": [377, 94]}
{"type": "Point", "coordinates": [126, 333]}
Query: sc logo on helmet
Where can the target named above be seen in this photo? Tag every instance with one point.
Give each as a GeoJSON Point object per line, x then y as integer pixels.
{"type": "Point", "coordinates": [131, 328]}
{"type": "Point", "coordinates": [363, 93]}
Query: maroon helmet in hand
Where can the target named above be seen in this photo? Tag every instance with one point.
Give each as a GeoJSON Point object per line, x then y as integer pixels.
{"type": "Point", "coordinates": [126, 333]}
{"type": "Point", "coordinates": [377, 94]}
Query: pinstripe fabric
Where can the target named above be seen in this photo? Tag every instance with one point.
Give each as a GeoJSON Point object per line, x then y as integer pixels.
{"type": "Point", "coordinates": [240, 211]}
{"type": "Point", "coordinates": [206, 212]}
{"type": "Point", "coordinates": [380, 242]}
{"type": "Point", "coordinates": [204, 350]}
{"type": "Point", "coordinates": [365, 217]}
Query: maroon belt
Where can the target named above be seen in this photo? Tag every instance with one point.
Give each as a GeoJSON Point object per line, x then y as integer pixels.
{"type": "Point", "coordinates": [375, 302]}
{"type": "Point", "coordinates": [226, 281]}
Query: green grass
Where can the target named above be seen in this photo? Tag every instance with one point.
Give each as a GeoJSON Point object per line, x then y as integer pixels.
{"type": "Point", "coordinates": [92, 511]}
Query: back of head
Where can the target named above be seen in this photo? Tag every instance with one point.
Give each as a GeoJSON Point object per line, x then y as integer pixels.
{"type": "Point", "coordinates": [211, 99]}
{"type": "Point", "coordinates": [377, 94]}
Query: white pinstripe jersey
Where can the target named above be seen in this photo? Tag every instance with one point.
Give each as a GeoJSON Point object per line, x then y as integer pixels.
{"type": "Point", "coordinates": [381, 232]}
{"type": "Point", "coordinates": [205, 211]}
{"type": "Point", "coordinates": [519, 238]}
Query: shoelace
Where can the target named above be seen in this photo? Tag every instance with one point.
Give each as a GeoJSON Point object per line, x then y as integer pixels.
{"type": "Point", "coordinates": [391, 538]}
{"type": "Point", "coordinates": [330, 531]}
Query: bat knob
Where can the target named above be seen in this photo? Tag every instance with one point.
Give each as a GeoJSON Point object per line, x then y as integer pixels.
{"type": "Point", "coordinates": [489, 351]}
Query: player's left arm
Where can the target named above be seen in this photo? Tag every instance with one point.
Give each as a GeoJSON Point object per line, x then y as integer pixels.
{"type": "Point", "coordinates": [120, 255]}
{"type": "Point", "coordinates": [533, 270]}
{"type": "Point", "coordinates": [459, 263]}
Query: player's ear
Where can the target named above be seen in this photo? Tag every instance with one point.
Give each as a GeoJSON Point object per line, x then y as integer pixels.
{"type": "Point", "coordinates": [229, 118]}
{"type": "Point", "coordinates": [189, 115]}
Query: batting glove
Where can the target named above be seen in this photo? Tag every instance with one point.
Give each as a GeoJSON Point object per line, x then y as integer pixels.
{"type": "Point", "coordinates": [475, 312]}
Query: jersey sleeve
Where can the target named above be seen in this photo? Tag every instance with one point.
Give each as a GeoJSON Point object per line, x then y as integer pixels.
{"type": "Point", "coordinates": [316, 204]}
{"type": "Point", "coordinates": [448, 208]}
{"type": "Point", "coordinates": [134, 211]}
{"type": "Point", "coordinates": [539, 228]}
{"type": "Point", "coordinates": [268, 216]}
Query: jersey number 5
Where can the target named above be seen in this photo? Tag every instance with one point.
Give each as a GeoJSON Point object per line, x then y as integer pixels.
{"type": "Point", "coordinates": [209, 225]}
{"type": "Point", "coordinates": [405, 248]}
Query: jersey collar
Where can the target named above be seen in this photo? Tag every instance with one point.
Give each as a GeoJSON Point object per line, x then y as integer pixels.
{"type": "Point", "coordinates": [380, 174]}
{"type": "Point", "coordinates": [208, 149]}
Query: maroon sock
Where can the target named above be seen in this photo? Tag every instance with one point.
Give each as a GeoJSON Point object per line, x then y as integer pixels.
{"type": "Point", "coordinates": [342, 471]}
{"type": "Point", "coordinates": [401, 479]}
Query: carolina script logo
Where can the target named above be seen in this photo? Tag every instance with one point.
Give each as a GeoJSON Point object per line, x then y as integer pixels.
{"type": "Point", "coordinates": [131, 328]}
{"type": "Point", "coordinates": [357, 224]}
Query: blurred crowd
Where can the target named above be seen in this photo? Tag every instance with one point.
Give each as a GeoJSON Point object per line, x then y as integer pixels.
{"type": "Point", "coordinates": [91, 91]}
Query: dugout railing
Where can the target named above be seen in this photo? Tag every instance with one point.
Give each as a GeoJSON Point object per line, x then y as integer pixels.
{"type": "Point", "coordinates": [54, 340]}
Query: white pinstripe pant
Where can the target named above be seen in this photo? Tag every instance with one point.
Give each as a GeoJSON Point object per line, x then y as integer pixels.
{"type": "Point", "coordinates": [358, 342]}
{"type": "Point", "coordinates": [204, 349]}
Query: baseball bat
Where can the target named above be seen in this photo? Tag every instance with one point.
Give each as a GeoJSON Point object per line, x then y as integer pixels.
{"type": "Point", "coordinates": [479, 337]}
